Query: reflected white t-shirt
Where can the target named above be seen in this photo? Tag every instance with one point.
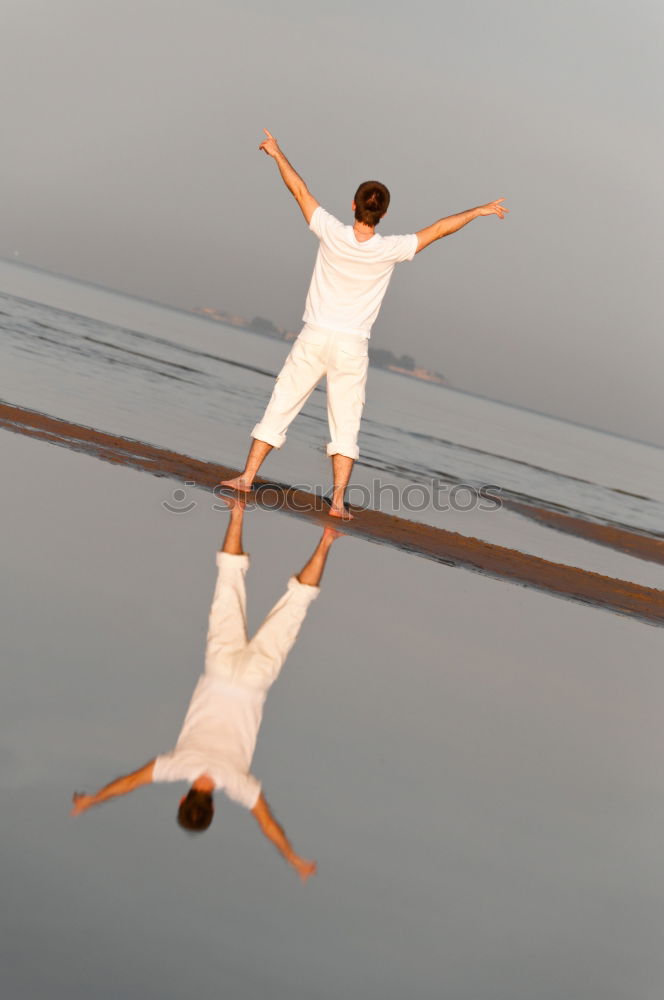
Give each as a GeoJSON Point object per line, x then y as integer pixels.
{"type": "Point", "coordinates": [351, 277]}
{"type": "Point", "coordinates": [218, 738]}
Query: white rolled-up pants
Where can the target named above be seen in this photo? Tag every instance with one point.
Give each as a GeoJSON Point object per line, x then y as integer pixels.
{"type": "Point", "coordinates": [344, 359]}
{"type": "Point", "coordinates": [229, 653]}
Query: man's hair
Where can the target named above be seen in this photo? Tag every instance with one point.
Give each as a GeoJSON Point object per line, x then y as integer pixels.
{"type": "Point", "coordinates": [371, 201]}
{"type": "Point", "coordinates": [196, 811]}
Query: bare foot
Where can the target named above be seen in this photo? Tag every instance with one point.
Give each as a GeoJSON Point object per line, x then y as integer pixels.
{"type": "Point", "coordinates": [341, 512]}
{"type": "Point", "coordinates": [240, 484]}
{"type": "Point", "coordinates": [332, 533]}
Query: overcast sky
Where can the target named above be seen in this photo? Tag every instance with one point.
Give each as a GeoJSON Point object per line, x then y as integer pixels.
{"type": "Point", "coordinates": [130, 159]}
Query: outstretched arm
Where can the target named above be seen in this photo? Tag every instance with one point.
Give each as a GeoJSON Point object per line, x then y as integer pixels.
{"type": "Point", "coordinates": [121, 786]}
{"type": "Point", "coordinates": [274, 832]}
{"type": "Point", "coordinates": [455, 222]}
{"type": "Point", "coordinates": [290, 176]}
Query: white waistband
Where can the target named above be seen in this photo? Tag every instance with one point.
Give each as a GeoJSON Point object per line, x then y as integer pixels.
{"type": "Point", "coordinates": [356, 335]}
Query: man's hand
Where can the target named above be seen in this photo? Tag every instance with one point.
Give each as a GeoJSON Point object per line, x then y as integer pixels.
{"type": "Point", "coordinates": [493, 208]}
{"type": "Point", "coordinates": [290, 177]}
{"type": "Point", "coordinates": [270, 145]}
{"type": "Point", "coordinates": [81, 803]}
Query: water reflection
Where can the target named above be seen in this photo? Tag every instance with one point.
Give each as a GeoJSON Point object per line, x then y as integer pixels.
{"type": "Point", "coordinates": [216, 745]}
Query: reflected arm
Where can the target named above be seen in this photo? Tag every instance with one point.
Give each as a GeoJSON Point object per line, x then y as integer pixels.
{"type": "Point", "coordinates": [275, 833]}
{"type": "Point", "coordinates": [121, 786]}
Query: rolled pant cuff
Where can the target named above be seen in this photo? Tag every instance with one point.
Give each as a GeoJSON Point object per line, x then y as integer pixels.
{"type": "Point", "coordinates": [349, 451]}
{"type": "Point", "coordinates": [230, 559]}
{"type": "Point", "coordinates": [305, 591]}
{"type": "Point", "coordinates": [270, 437]}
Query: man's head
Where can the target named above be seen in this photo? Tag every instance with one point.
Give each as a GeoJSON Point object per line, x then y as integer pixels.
{"type": "Point", "coordinates": [196, 810]}
{"type": "Point", "coordinates": [370, 202]}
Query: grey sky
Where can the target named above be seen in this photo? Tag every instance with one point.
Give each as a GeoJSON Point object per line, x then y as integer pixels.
{"type": "Point", "coordinates": [130, 134]}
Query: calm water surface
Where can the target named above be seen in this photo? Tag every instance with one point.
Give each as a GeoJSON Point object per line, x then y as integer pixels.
{"type": "Point", "coordinates": [475, 766]}
{"type": "Point", "coordinates": [195, 386]}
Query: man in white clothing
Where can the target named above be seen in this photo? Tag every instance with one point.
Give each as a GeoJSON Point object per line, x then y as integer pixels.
{"type": "Point", "coordinates": [351, 274]}
{"type": "Point", "coordinates": [218, 737]}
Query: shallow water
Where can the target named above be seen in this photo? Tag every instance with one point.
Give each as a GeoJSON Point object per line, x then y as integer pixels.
{"type": "Point", "coordinates": [196, 386]}
{"type": "Point", "coordinates": [196, 368]}
{"type": "Point", "coordinates": [475, 766]}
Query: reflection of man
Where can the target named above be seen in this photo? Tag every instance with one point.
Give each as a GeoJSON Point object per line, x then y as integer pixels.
{"type": "Point", "coordinates": [218, 737]}
{"type": "Point", "coordinates": [352, 271]}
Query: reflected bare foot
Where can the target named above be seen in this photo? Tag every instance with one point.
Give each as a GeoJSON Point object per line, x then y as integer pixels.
{"type": "Point", "coordinates": [240, 483]}
{"type": "Point", "coordinates": [341, 512]}
{"type": "Point", "coordinates": [235, 503]}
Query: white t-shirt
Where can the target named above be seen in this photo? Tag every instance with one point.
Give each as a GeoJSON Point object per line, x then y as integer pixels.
{"type": "Point", "coordinates": [218, 738]}
{"type": "Point", "coordinates": [351, 277]}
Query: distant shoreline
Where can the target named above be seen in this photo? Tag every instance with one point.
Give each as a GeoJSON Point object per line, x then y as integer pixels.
{"type": "Point", "coordinates": [20, 262]}
{"type": "Point", "coordinates": [378, 357]}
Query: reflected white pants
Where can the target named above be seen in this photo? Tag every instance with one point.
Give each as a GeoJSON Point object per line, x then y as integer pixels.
{"type": "Point", "coordinates": [230, 654]}
{"type": "Point", "coordinates": [344, 359]}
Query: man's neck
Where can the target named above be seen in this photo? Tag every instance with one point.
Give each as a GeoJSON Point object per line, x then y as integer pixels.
{"type": "Point", "coordinates": [363, 232]}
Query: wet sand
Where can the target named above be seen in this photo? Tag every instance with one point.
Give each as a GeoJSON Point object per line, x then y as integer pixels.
{"type": "Point", "coordinates": [633, 543]}
{"type": "Point", "coordinates": [643, 603]}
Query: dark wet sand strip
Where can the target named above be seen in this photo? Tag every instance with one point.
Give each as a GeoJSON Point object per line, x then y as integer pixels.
{"type": "Point", "coordinates": [633, 543]}
{"type": "Point", "coordinates": [449, 547]}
